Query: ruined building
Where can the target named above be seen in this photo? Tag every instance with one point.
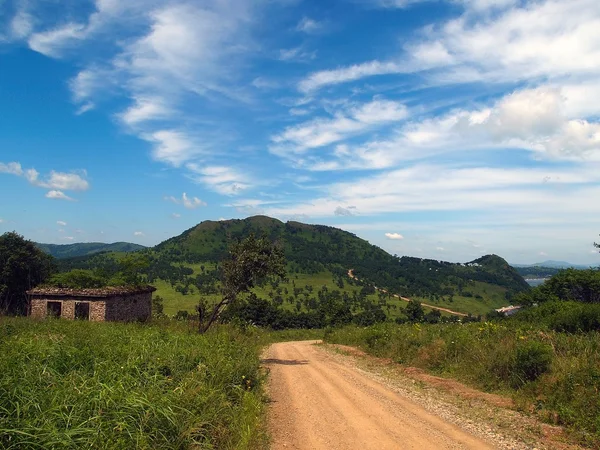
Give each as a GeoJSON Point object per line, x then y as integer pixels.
{"type": "Point", "coordinates": [125, 304]}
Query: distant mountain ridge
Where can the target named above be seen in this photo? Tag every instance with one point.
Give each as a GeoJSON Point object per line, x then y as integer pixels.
{"type": "Point", "coordinates": [62, 251]}
{"type": "Point", "coordinates": [554, 265]}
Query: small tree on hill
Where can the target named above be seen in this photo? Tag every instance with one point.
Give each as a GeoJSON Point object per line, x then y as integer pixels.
{"type": "Point", "coordinates": [22, 267]}
{"type": "Point", "coordinates": [414, 311]}
{"type": "Point", "coordinates": [249, 261]}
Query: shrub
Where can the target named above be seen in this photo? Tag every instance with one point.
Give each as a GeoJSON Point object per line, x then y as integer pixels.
{"type": "Point", "coordinates": [532, 359]}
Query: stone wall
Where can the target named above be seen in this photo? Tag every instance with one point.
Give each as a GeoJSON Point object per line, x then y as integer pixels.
{"type": "Point", "coordinates": [126, 308]}
{"type": "Point", "coordinates": [129, 308]}
{"type": "Point", "coordinates": [38, 308]}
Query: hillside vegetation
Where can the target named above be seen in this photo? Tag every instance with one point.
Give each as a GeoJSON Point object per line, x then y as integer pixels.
{"type": "Point", "coordinates": [186, 267]}
{"type": "Point", "coordinates": [61, 251]}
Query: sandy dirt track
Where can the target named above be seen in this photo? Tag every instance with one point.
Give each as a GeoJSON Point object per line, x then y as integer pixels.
{"type": "Point", "coordinates": [319, 403]}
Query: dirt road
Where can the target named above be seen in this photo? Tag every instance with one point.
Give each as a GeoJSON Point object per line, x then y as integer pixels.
{"type": "Point", "coordinates": [439, 308]}
{"type": "Point", "coordinates": [320, 403]}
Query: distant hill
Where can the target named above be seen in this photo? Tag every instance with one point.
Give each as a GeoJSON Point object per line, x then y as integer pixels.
{"type": "Point", "coordinates": [553, 265]}
{"type": "Point", "coordinates": [318, 260]}
{"type": "Point", "coordinates": [62, 251]}
{"type": "Point", "coordinates": [313, 248]}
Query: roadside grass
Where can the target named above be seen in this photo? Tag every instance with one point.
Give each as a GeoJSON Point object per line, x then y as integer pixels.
{"type": "Point", "coordinates": [553, 375]}
{"type": "Point", "coordinates": [71, 384]}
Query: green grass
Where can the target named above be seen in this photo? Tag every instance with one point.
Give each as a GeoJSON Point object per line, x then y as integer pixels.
{"type": "Point", "coordinates": [175, 301]}
{"type": "Point", "coordinates": [492, 298]}
{"type": "Point", "coordinates": [555, 375]}
{"type": "Point", "coordinates": [72, 385]}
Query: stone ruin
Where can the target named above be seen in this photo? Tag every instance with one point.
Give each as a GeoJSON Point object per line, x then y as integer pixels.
{"type": "Point", "coordinates": [125, 304]}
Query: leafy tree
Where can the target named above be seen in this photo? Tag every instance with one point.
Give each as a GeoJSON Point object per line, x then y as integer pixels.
{"type": "Point", "coordinates": [414, 311]}
{"type": "Point", "coordinates": [249, 261]}
{"type": "Point", "coordinates": [77, 279]}
{"type": "Point", "coordinates": [22, 267]}
{"type": "Point", "coordinates": [158, 306]}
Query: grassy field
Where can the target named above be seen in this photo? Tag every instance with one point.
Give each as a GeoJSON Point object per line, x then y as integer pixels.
{"type": "Point", "coordinates": [175, 301]}
{"type": "Point", "coordinates": [492, 298]}
{"type": "Point", "coordinates": [553, 375]}
{"type": "Point", "coordinates": [73, 385]}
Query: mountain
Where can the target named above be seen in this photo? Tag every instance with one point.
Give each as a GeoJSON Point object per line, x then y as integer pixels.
{"type": "Point", "coordinates": [314, 248]}
{"type": "Point", "coordinates": [559, 265]}
{"type": "Point", "coordinates": [86, 248]}
{"type": "Point", "coordinates": [553, 265]}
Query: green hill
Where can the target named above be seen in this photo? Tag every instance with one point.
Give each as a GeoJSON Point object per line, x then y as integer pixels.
{"type": "Point", "coordinates": [61, 251]}
{"type": "Point", "coordinates": [185, 267]}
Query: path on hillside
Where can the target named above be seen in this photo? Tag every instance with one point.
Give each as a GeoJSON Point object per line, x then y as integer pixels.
{"type": "Point", "coordinates": [439, 308]}
{"type": "Point", "coordinates": [319, 402]}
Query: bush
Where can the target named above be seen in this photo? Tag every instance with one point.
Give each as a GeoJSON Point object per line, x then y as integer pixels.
{"type": "Point", "coordinates": [77, 279]}
{"type": "Point", "coordinates": [532, 359]}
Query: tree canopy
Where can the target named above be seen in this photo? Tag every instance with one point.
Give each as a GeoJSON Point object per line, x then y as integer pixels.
{"type": "Point", "coordinates": [22, 267]}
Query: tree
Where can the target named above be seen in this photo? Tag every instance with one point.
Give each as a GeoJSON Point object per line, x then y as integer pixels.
{"type": "Point", "coordinates": [414, 311]}
{"type": "Point", "coordinates": [22, 267]}
{"type": "Point", "coordinates": [249, 261]}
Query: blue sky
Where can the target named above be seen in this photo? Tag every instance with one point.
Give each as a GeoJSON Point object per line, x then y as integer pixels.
{"type": "Point", "coordinates": [445, 129]}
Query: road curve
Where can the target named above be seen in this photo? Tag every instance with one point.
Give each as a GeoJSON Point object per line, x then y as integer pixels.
{"type": "Point", "coordinates": [406, 299]}
{"type": "Point", "coordinates": [318, 403]}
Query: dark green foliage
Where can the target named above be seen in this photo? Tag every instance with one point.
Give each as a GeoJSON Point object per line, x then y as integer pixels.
{"type": "Point", "coordinates": [414, 311]}
{"type": "Point", "coordinates": [77, 279]}
{"type": "Point", "coordinates": [22, 267]}
{"type": "Point", "coordinates": [532, 359]}
{"type": "Point", "coordinates": [250, 260]}
{"type": "Point", "coordinates": [314, 248]}
{"type": "Point", "coordinates": [565, 316]}
{"type": "Point", "coordinates": [86, 248]}
{"type": "Point", "coordinates": [567, 285]}
{"type": "Point", "coordinates": [157, 306]}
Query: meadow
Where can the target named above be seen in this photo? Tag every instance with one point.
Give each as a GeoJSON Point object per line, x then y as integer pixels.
{"type": "Point", "coordinates": [554, 375]}
{"type": "Point", "coordinates": [71, 384]}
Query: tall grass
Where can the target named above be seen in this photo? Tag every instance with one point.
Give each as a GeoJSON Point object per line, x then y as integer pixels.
{"type": "Point", "coordinates": [554, 375]}
{"type": "Point", "coordinates": [71, 384]}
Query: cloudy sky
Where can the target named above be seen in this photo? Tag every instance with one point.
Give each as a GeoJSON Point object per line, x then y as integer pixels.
{"type": "Point", "coordinates": [444, 129]}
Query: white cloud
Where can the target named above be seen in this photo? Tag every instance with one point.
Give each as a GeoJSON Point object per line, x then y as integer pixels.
{"type": "Point", "coordinates": [320, 79]}
{"type": "Point", "coordinates": [21, 25]}
{"type": "Point", "coordinates": [13, 168]}
{"type": "Point", "coordinates": [173, 147]}
{"type": "Point", "coordinates": [145, 109]}
{"type": "Point", "coordinates": [296, 54]}
{"type": "Point", "coordinates": [547, 39]}
{"type": "Point", "coordinates": [53, 42]}
{"type": "Point", "coordinates": [346, 123]}
{"type": "Point", "coordinates": [264, 83]}
{"type": "Point", "coordinates": [309, 26]}
{"type": "Point", "coordinates": [221, 179]}
{"type": "Point", "coordinates": [138, 233]}
{"type": "Point", "coordinates": [58, 195]}
{"type": "Point", "coordinates": [175, 216]}
{"type": "Point", "coordinates": [340, 211]}
{"type": "Point", "coordinates": [67, 238]}
{"type": "Point", "coordinates": [394, 236]}
{"type": "Point", "coordinates": [187, 202]}
{"type": "Point", "coordinates": [192, 203]}
{"type": "Point", "coordinates": [1, 220]}
{"type": "Point", "coordinates": [61, 223]}
{"type": "Point", "coordinates": [440, 249]}
{"type": "Point", "coordinates": [543, 254]}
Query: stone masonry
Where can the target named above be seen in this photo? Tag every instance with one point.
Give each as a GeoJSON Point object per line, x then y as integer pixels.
{"type": "Point", "coordinates": [126, 304]}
